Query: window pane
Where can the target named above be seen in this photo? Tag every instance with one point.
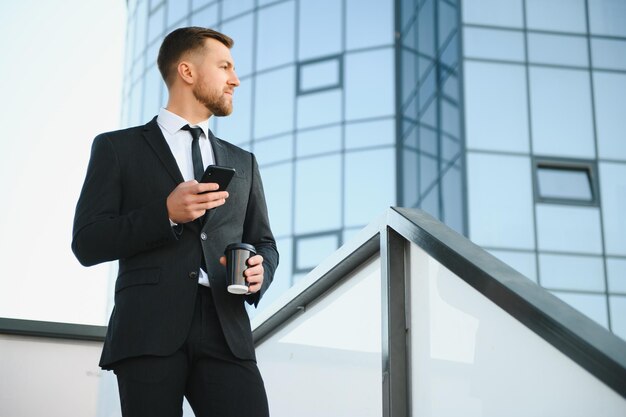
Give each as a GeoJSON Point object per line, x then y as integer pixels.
{"type": "Point", "coordinates": [318, 141]}
{"type": "Point", "coordinates": [607, 17]}
{"type": "Point", "coordinates": [559, 50]}
{"type": "Point", "coordinates": [269, 151]}
{"type": "Point", "coordinates": [206, 17]}
{"type": "Point", "coordinates": [450, 149]}
{"type": "Point", "coordinates": [584, 273]}
{"type": "Point", "coordinates": [500, 201]}
{"type": "Point", "coordinates": [134, 110]}
{"type": "Point", "coordinates": [563, 183]}
{"type": "Point", "coordinates": [374, 133]}
{"type": "Point", "coordinates": [176, 10]}
{"type": "Point", "coordinates": [450, 55]}
{"type": "Point", "coordinates": [369, 93]}
{"type": "Point", "coordinates": [241, 31]}
{"type": "Point", "coordinates": [608, 53]}
{"type": "Point", "coordinates": [616, 272]}
{"type": "Point", "coordinates": [408, 76]}
{"type": "Point", "coordinates": [496, 107]}
{"type": "Point", "coordinates": [277, 182]}
{"type": "Point", "coordinates": [523, 262]}
{"type": "Point", "coordinates": [156, 24]}
{"type": "Point", "coordinates": [410, 176]}
{"type": "Point", "coordinates": [370, 185]}
{"type": "Point", "coordinates": [310, 251]}
{"type": "Point", "coordinates": [429, 141]}
{"type": "Point", "coordinates": [152, 52]}
{"type": "Point", "coordinates": [275, 35]}
{"type": "Point", "coordinates": [593, 306]}
{"type": "Point", "coordinates": [319, 109]}
{"type": "Point", "coordinates": [236, 127]}
{"type": "Point", "coordinates": [429, 174]}
{"type": "Point", "coordinates": [450, 120]}
{"type": "Point", "coordinates": [613, 190]}
{"type": "Point", "coordinates": [312, 41]}
{"type": "Point", "coordinates": [234, 7]}
{"type": "Point", "coordinates": [320, 74]}
{"type": "Point", "coordinates": [448, 21]}
{"type": "Point", "coordinates": [196, 4]}
{"type": "Point", "coordinates": [430, 202]}
{"type": "Point", "coordinates": [500, 12]}
{"type": "Point", "coordinates": [558, 15]}
{"type": "Point", "coordinates": [369, 23]}
{"type": "Point", "coordinates": [141, 18]}
{"type": "Point", "coordinates": [618, 315]}
{"type": "Point", "coordinates": [452, 196]}
{"type": "Point", "coordinates": [152, 93]}
{"type": "Point", "coordinates": [493, 44]}
{"type": "Point", "coordinates": [282, 276]}
{"type": "Point", "coordinates": [609, 94]}
{"type": "Point", "coordinates": [568, 229]}
{"type": "Point", "coordinates": [318, 194]}
{"type": "Point", "coordinates": [426, 29]}
{"type": "Point", "coordinates": [274, 102]}
{"type": "Point", "coordinates": [561, 112]}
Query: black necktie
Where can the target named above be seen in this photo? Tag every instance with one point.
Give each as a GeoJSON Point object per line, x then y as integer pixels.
{"type": "Point", "coordinates": [196, 156]}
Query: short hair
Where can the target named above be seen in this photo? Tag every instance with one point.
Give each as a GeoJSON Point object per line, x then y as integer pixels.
{"type": "Point", "coordinates": [181, 41]}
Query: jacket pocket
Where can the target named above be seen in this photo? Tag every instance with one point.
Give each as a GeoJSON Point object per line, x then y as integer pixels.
{"type": "Point", "coordinates": [143, 276]}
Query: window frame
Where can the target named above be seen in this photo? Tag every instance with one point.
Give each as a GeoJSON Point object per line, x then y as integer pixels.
{"type": "Point", "coordinates": [588, 166]}
{"type": "Point", "coordinates": [338, 85]}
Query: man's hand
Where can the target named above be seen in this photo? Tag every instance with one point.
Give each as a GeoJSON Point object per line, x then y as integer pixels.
{"type": "Point", "coordinates": [185, 203]}
{"type": "Point", "coordinates": [254, 272]}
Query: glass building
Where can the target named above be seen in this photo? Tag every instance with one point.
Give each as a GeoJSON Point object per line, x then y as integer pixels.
{"type": "Point", "coordinates": [505, 119]}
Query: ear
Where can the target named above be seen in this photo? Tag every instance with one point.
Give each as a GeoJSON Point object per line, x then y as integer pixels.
{"type": "Point", "coordinates": [186, 71]}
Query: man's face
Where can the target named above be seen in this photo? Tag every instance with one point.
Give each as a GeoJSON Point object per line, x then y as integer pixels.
{"type": "Point", "coordinates": [216, 78]}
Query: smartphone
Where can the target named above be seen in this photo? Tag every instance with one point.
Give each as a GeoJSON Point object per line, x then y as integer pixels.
{"type": "Point", "coordinates": [219, 175]}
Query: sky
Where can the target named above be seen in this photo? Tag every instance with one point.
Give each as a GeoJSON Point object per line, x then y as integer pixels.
{"type": "Point", "coordinates": [61, 84]}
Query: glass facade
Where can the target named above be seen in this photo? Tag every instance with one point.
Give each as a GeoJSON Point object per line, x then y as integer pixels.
{"type": "Point", "coordinates": [502, 118]}
{"type": "Point", "coordinates": [544, 87]}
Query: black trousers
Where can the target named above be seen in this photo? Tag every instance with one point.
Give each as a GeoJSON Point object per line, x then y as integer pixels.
{"type": "Point", "coordinates": [215, 383]}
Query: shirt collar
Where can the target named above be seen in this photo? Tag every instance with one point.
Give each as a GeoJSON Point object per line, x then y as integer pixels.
{"type": "Point", "coordinates": [172, 122]}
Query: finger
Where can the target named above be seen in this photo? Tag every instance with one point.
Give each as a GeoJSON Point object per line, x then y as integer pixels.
{"type": "Point", "coordinates": [215, 195]}
{"type": "Point", "coordinates": [252, 271]}
{"type": "Point", "coordinates": [255, 260]}
{"type": "Point", "coordinates": [206, 205]}
{"type": "Point", "coordinates": [208, 186]}
{"type": "Point", "coordinates": [254, 279]}
{"type": "Point", "coordinates": [213, 204]}
{"type": "Point", "coordinates": [223, 260]}
{"type": "Point", "coordinates": [254, 288]}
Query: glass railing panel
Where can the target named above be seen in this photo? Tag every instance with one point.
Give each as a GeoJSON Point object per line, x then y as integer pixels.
{"type": "Point", "coordinates": [471, 358]}
{"type": "Point", "coordinates": [327, 360]}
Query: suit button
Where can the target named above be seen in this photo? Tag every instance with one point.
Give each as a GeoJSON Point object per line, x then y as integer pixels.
{"type": "Point", "coordinates": [203, 236]}
{"type": "Point", "coordinates": [193, 275]}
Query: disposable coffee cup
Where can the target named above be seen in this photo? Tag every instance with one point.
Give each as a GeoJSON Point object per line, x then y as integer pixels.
{"type": "Point", "coordinates": [237, 255]}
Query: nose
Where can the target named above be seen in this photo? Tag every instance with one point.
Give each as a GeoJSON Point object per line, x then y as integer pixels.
{"type": "Point", "coordinates": [234, 80]}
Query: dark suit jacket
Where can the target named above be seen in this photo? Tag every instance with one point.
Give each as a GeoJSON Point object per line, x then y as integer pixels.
{"type": "Point", "coordinates": [122, 214]}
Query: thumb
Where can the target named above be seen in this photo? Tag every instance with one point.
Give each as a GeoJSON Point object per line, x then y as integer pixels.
{"type": "Point", "coordinates": [223, 260]}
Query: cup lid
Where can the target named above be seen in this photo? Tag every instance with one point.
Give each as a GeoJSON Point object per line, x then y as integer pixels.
{"type": "Point", "coordinates": [245, 246]}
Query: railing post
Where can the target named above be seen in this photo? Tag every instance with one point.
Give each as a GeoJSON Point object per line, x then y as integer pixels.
{"type": "Point", "coordinates": [394, 329]}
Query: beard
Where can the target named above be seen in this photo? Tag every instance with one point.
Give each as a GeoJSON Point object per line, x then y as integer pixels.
{"type": "Point", "coordinates": [215, 101]}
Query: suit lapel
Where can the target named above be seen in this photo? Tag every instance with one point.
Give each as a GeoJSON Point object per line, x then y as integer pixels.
{"type": "Point", "coordinates": [222, 158]}
{"type": "Point", "coordinates": [220, 154]}
{"type": "Point", "coordinates": [153, 135]}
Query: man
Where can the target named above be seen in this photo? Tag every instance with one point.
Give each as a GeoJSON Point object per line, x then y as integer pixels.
{"type": "Point", "coordinates": [175, 330]}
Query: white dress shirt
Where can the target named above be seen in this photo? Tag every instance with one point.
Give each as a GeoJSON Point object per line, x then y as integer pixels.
{"type": "Point", "coordinates": [179, 142]}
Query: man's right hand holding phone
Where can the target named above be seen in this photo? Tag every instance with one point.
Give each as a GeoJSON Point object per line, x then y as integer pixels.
{"type": "Point", "coordinates": [186, 203]}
